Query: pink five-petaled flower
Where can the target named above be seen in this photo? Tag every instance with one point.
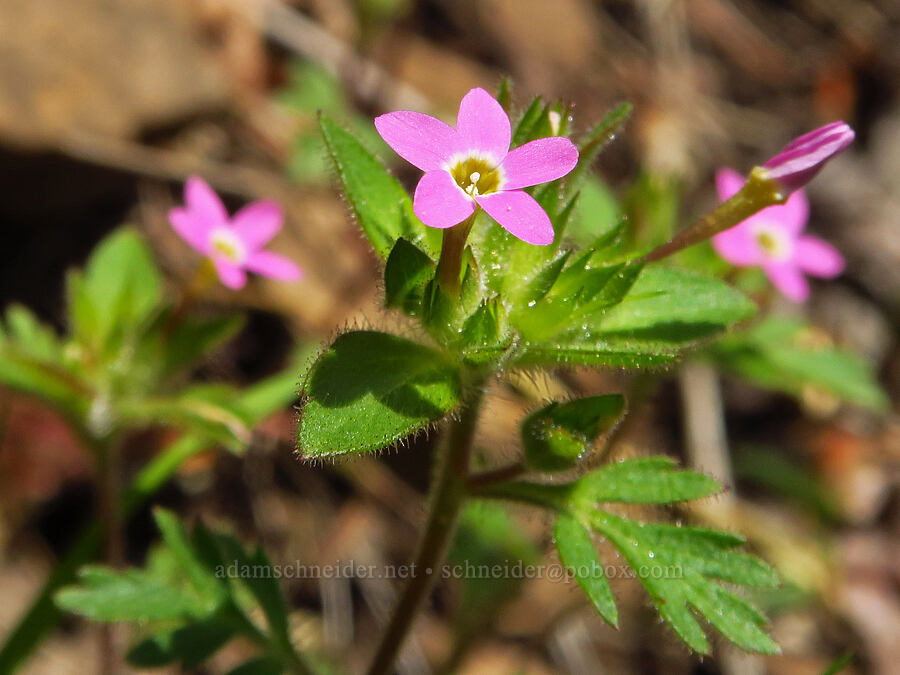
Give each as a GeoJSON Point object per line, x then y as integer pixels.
{"type": "Point", "coordinates": [773, 239]}
{"type": "Point", "coordinates": [472, 166]}
{"type": "Point", "coordinates": [235, 245]}
{"type": "Point", "coordinates": [801, 159]}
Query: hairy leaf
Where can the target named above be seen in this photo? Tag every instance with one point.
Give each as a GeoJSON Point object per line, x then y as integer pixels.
{"type": "Point", "coordinates": [653, 480]}
{"type": "Point", "coordinates": [381, 206]}
{"type": "Point", "coordinates": [555, 436]}
{"type": "Point", "coordinates": [371, 389]}
{"type": "Point", "coordinates": [406, 272]}
{"type": "Point", "coordinates": [577, 552]}
{"type": "Point", "coordinates": [678, 583]}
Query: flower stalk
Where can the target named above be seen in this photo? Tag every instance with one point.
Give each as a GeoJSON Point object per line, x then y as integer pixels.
{"type": "Point", "coordinates": [453, 246]}
{"type": "Point", "coordinates": [447, 496]}
{"type": "Point", "coordinates": [758, 193]}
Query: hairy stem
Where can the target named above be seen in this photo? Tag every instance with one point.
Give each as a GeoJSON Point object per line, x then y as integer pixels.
{"type": "Point", "coordinates": [447, 497]}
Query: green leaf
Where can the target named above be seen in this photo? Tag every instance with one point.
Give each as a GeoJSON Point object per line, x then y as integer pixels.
{"type": "Point", "coordinates": [209, 409]}
{"type": "Point", "coordinates": [31, 337]}
{"type": "Point", "coordinates": [371, 389]}
{"type": "Point", "coordinates": [582, 292]}
{"type": "Point", "coordinates": [131, 595]}
{"type": "Point", "coordinates": [678, 582]}
{"type": "Point", "coordinates": [121, 290]}
{"type": "Point", "coordinates": [202, 580]}
{"type": "Point", "coordinates": [504, 93]}
{"type": "Point", "coordinates": [381, 206]}
{"type": "Point", "coordinates": [680, 567]}
{"type": "Point", "coordinates": [531, 118]}
{"type": "Point", "coordinates": [191, 644]}
{"type": "Point", "coordinates": [576, 551]}
{"type": "Point", "coordinates": [584, 350]}
{"type": "Point", "coordinates": [790, 356]}
{"type": "Point", "coordinates": [259, 400]}
{"type": "Point", "coordinates": [485, 337]}
{"type": "Point", "coordinates": [406, 272]}
{"type": "Point", "coordinates": [261, 581]}
{"type": "Point", "coordinates": [597, 138]}
{"type": "Point", "coordinates": [597, 213]}
{"type": "Point", "coordinates": [557, 435]}
{"type": "Point", "coordinates": [652, 480]}
{"type": "Point", "coordinates": [48, 380]}
{"type": "Point", "coordinates": [194, 338]}
{"type": "Point", "coordinates": [674, 307]}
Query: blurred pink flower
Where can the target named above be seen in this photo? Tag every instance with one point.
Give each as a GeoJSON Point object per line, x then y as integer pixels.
{"type": "Point", "coordinates": [801, 159]}
{"type": "Point", "coordinates": [472, 166]}
{"type": "Point", "coordinates": [773, 239]}
{"type": "Point", "coordinates": [235, 245]}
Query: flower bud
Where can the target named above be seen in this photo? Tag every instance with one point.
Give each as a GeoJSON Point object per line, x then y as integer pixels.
{"type": "Point", "coordinates": [802, 158]}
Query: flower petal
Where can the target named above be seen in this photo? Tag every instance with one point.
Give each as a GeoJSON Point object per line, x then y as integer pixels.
{"type": "Point", "coordinates": [738, 245]}
{"type": "Point", "coordinates": [439, 202]}
{"type": "Point", "coordinates": [482, 124]}
{"type": "Point", "coordinates": [728, 183]}
{"type": "Point", "coordinates": [274, 266]}
{"type": "Point", "coordinates": [257, 223]}
{"type": "Point", "coordinates": [818, 257]}
{"type": "Point", "coordinates": [520, 215]}
{"type": "Point", "coordinates": [539, 161]}
{"type": "Point", "coordinates": [203, 202]}
{"type": "Point", "coordinates": [793, 214]}
{"type": "Point", "coordinates": [230, 274]}
{"type": "Point", "coordinates": [804, 157]}
{"type": "Point", "coordinates": [788, 279]}
{"type": "Point", "coordinates": [422, 140]}
{"type": "Point", "coordinates": [195, 231]}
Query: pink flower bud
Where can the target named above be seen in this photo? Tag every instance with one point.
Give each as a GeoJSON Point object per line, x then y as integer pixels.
{"type": "Point", "coordinates": [802, 158]}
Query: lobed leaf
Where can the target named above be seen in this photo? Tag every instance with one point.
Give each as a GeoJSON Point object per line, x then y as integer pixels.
{"type": "Point", "coordinates": [577, 552]}
{"type": "Point", "coordinates": [678, 583]}
{"type": "Point", "coordinates": [652, 480]}
{"type": "Point", "coordinates": [131, 595]}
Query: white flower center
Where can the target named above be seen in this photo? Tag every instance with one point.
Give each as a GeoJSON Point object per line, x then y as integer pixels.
{"type": "Point", "coordinates": [226, 245]}
{"type": "Point", "coordinates": [475, 174]}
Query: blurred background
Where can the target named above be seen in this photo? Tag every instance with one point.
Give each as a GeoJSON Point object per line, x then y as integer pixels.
{"type": "Point", "coordinates": [107, 106]}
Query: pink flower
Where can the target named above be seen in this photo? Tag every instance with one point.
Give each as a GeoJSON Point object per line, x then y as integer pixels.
{"type": "Point", "coordinates": [233, 244]}
{"type": "Point", "coordinates": [472, 166]}
{"type": "Point", "coordinates": [773, 239]}
{"type": "Point", "coordinates": [802, 158]}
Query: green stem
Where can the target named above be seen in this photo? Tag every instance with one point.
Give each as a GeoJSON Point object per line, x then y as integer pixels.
{"type": "Point", "coordinates": [758, 193]}
{"type": "Point", "coordinates": [109, 513]}
{"type": "Point", "coordinates": [453, 245]}
{"type": "Point", "coordinates": [448, 495]}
